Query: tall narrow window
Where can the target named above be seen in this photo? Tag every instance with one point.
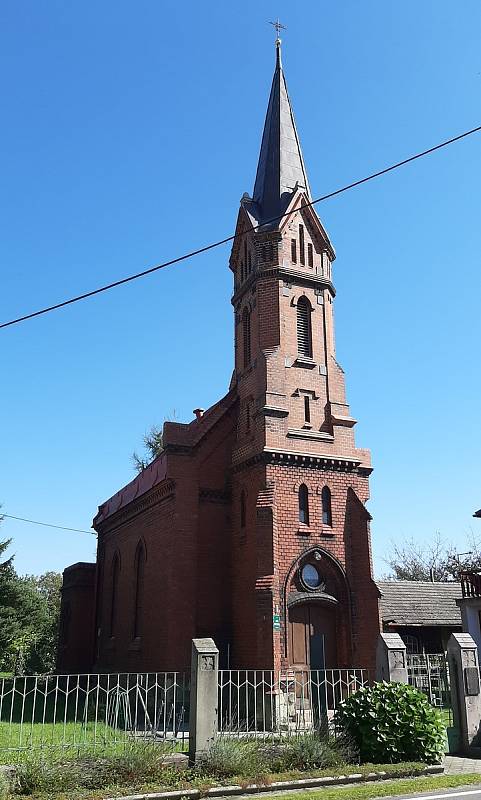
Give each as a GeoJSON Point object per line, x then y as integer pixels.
{"type": "Point", "coordinates": [303, 504]}
{"type": "Point", "coordinates": [326, 506]}
{"type": "Point", "coordinates": [246, 334]}
{"type": "Point", "coordinates": [249, 261]}
{"type": "Point", "coordinates": [304, 337]}
{"type": "Point", "coordinates": [245, 253]}
{"type": "Point", "coordinates": [302, 253]}
{"type": "Point", "coordinates": [307, 408]}
{"type": "Point", "coordinates": [293, 251]}
{"type": "Point", "coordinates": [139, 566]}
{"type": "Point", "coordinates": [114, 595]}
{"type": "Point", "coordinates": [310, 255]}
{"type": "Point", "coordinates": [248, 417]}
{"type": "Point", "coordinates": [243, 509]}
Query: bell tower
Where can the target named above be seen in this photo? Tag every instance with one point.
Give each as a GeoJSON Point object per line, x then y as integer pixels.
{"type": "Point", "coordinates": [299, 483]}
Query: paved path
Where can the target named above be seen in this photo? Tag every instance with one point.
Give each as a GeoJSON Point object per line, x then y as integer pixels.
{"type": "Point", "coordinates": [454, 765]}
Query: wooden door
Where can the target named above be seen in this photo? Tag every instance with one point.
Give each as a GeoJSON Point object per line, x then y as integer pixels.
{"type": "Point", "coordinates": [312, 637]}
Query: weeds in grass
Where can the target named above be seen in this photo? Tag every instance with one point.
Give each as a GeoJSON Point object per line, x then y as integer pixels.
{"type": "Point", "coordinates": [4, 788]}
{"type": "Point", "coordinates": [138, 762]}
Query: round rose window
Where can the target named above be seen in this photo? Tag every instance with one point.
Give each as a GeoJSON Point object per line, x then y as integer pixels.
{"type": "Point", "coordinates": [310, 576]}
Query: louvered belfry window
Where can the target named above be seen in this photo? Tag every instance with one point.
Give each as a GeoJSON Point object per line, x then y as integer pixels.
{"type": "Point", "coordinates": [246, 336]}
{"type": "Point", "coordinates": [304, 337]}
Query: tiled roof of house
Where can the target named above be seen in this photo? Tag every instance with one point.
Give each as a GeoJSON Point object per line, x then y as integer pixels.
{"type": "Point", "coordinates": [420, 602]}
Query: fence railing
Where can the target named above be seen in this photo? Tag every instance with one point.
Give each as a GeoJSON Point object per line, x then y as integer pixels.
{"type": "Point", "coordinates": [263, 702]}
{"type": "Point", "coordinates": [470, 584]}
{"type": "Point", "coordinates": [90, 710]}
{"type": "Point", "coordinates": [429, 672]}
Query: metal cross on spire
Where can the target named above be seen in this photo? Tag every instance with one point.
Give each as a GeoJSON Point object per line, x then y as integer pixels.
{"type": "Point", "coordinates": [279, 27]}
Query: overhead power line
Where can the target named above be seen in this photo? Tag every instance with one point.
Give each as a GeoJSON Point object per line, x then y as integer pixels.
{"type": "Point", "coordinates": [45, 524]}
{"type": "Point", "coordinates": [231, 238]}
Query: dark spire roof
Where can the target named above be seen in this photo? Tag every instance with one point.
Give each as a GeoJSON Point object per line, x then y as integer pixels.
{"type": "Point", "coordinates": [281, 166]}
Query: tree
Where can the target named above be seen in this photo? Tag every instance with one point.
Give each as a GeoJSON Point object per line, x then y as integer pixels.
{"type": "Point", "coordinates": [41, 652]}
{"type": "Point", "coordinates": [153, 445]}
{"type": "Point", "coordinates": [29, 617]}
{"type": "Point", "coordinates": [437, 560]}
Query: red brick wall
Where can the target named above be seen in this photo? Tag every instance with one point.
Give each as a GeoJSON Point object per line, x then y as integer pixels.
{"type": "Point", "coordinates": [76, 641]}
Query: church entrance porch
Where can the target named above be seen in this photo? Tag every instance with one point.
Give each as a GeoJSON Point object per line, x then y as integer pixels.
{"type": "Point", "coordinates": [310, 691]}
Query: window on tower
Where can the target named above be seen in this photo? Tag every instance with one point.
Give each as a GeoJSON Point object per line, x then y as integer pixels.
{"type": "Point", "coordinates": [326, 506]}
{"type": "Point", "coordinates": [302, 253]}
{"type": "Point", "coordinates": [307, 408]}
{"type": "Point", "coordinates": [246, 337]}
{"type": "Point", "coordinates": [293, 251]}
{"type": "Point", "coordinates": [310, 255]}
{"type": "Point", "coordinates": [304, 334]}
{"type": "Point", "coordinates": [303, 504]}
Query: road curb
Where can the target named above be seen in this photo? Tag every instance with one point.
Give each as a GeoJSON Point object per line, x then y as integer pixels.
{"type": "Point", "coordinates": [277, 786]}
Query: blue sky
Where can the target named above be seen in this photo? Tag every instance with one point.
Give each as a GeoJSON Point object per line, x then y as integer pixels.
{"type": "Point", "coordinates": [129, 133]}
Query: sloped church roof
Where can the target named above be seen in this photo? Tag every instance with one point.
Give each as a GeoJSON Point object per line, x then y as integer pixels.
{"type": "Point", "coordinates": [281, 166]}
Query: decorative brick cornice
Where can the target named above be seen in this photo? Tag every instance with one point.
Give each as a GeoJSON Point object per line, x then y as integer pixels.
{"type": "Point", "coordinates": [147, 500]}
{"type": "Point", "coordinates": [215, 496]}
{"type": "Point", "coordinates": [293, 276]}
{"type": "Point", "coordinates": [287, 458]}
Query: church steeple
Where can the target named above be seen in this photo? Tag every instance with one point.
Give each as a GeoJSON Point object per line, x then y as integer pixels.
{"type": "Point", "coordinates": [281, 166]}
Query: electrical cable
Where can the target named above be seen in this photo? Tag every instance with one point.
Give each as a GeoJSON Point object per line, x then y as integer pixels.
{"type": "Point", "coordinates": [219, 243]}
{"type": "Point", "coordinates": [45, 524]}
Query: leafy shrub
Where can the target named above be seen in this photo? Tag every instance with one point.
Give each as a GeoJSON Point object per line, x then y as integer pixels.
{"type": "Point", "coordinates": [229, 756]}
{"type": "Point", "coordinates": [253, 758]}
{"type": "Point", "coordinates": [316, 751]}
{"type": "Point", "coordinates": [392, 722]}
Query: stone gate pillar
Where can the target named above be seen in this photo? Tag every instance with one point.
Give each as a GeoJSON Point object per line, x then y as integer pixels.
{"type": "Point", "coordinates": [465, 688]}
{"type": "Point", "coordinates": [391, 663]}
{"type": "Point", "coordinates": [203, 697]}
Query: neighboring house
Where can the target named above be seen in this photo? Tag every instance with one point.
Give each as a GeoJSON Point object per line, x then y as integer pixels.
{"type": "Point", "coordinates": [470, 603]}
{"type": "Point", "coordinates": [425, 614]}
{"type": "Point", "coordinates": [251, 526]}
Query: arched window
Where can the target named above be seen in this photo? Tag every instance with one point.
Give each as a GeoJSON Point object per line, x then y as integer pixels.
{"type": "Point", "coordinates": [139, 566]}
{"type": "Point", "coordinates": [326, 506]}
{"type": "Point", "coordinates": [114, 594]}
{"type": "Point", "coordinates": [246, 335]}
{"type": "Point", "coordinates": [304, 335]}
{"type": "Point", "coordinates": [303, 504]}
{"type": "Point", "coordinates": [243, 509]}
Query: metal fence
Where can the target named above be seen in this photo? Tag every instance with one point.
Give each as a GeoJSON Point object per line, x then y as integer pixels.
{"type": "Point", "coordinates": [91, 710]}
{"type": "Point", "coordinates": [429, 672]}
{"type": "Point", "coordinates": [266, 702]}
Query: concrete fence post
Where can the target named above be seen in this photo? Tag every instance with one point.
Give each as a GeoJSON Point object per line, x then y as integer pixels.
{"type": "Point", "coordinates": [465, 689]}
{"type": "Point", "coordinates": [391, 663]}
{"type": "Point", "coordinates": [203, 697]}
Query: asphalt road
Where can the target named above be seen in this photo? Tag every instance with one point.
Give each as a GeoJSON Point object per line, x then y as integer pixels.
{"type": "Point", "coordinates": [473, 793]}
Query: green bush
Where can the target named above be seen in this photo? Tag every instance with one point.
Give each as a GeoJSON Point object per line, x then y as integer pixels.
{"type": "Point", "coordinates": [392, 722]}
{"type": "Point", "coordinates": [253, 758]}
{"type": "Point", "coordinates": [229, 756]}
{"type": "Point", "coordinates": [310, 751]}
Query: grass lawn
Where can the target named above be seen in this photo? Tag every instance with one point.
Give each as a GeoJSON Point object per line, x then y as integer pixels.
{"type": "Point", "coordinates": [19, 741]}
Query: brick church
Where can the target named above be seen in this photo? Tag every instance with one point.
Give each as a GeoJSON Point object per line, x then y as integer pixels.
{"type": "Point", "coordinates": [251, 526]}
